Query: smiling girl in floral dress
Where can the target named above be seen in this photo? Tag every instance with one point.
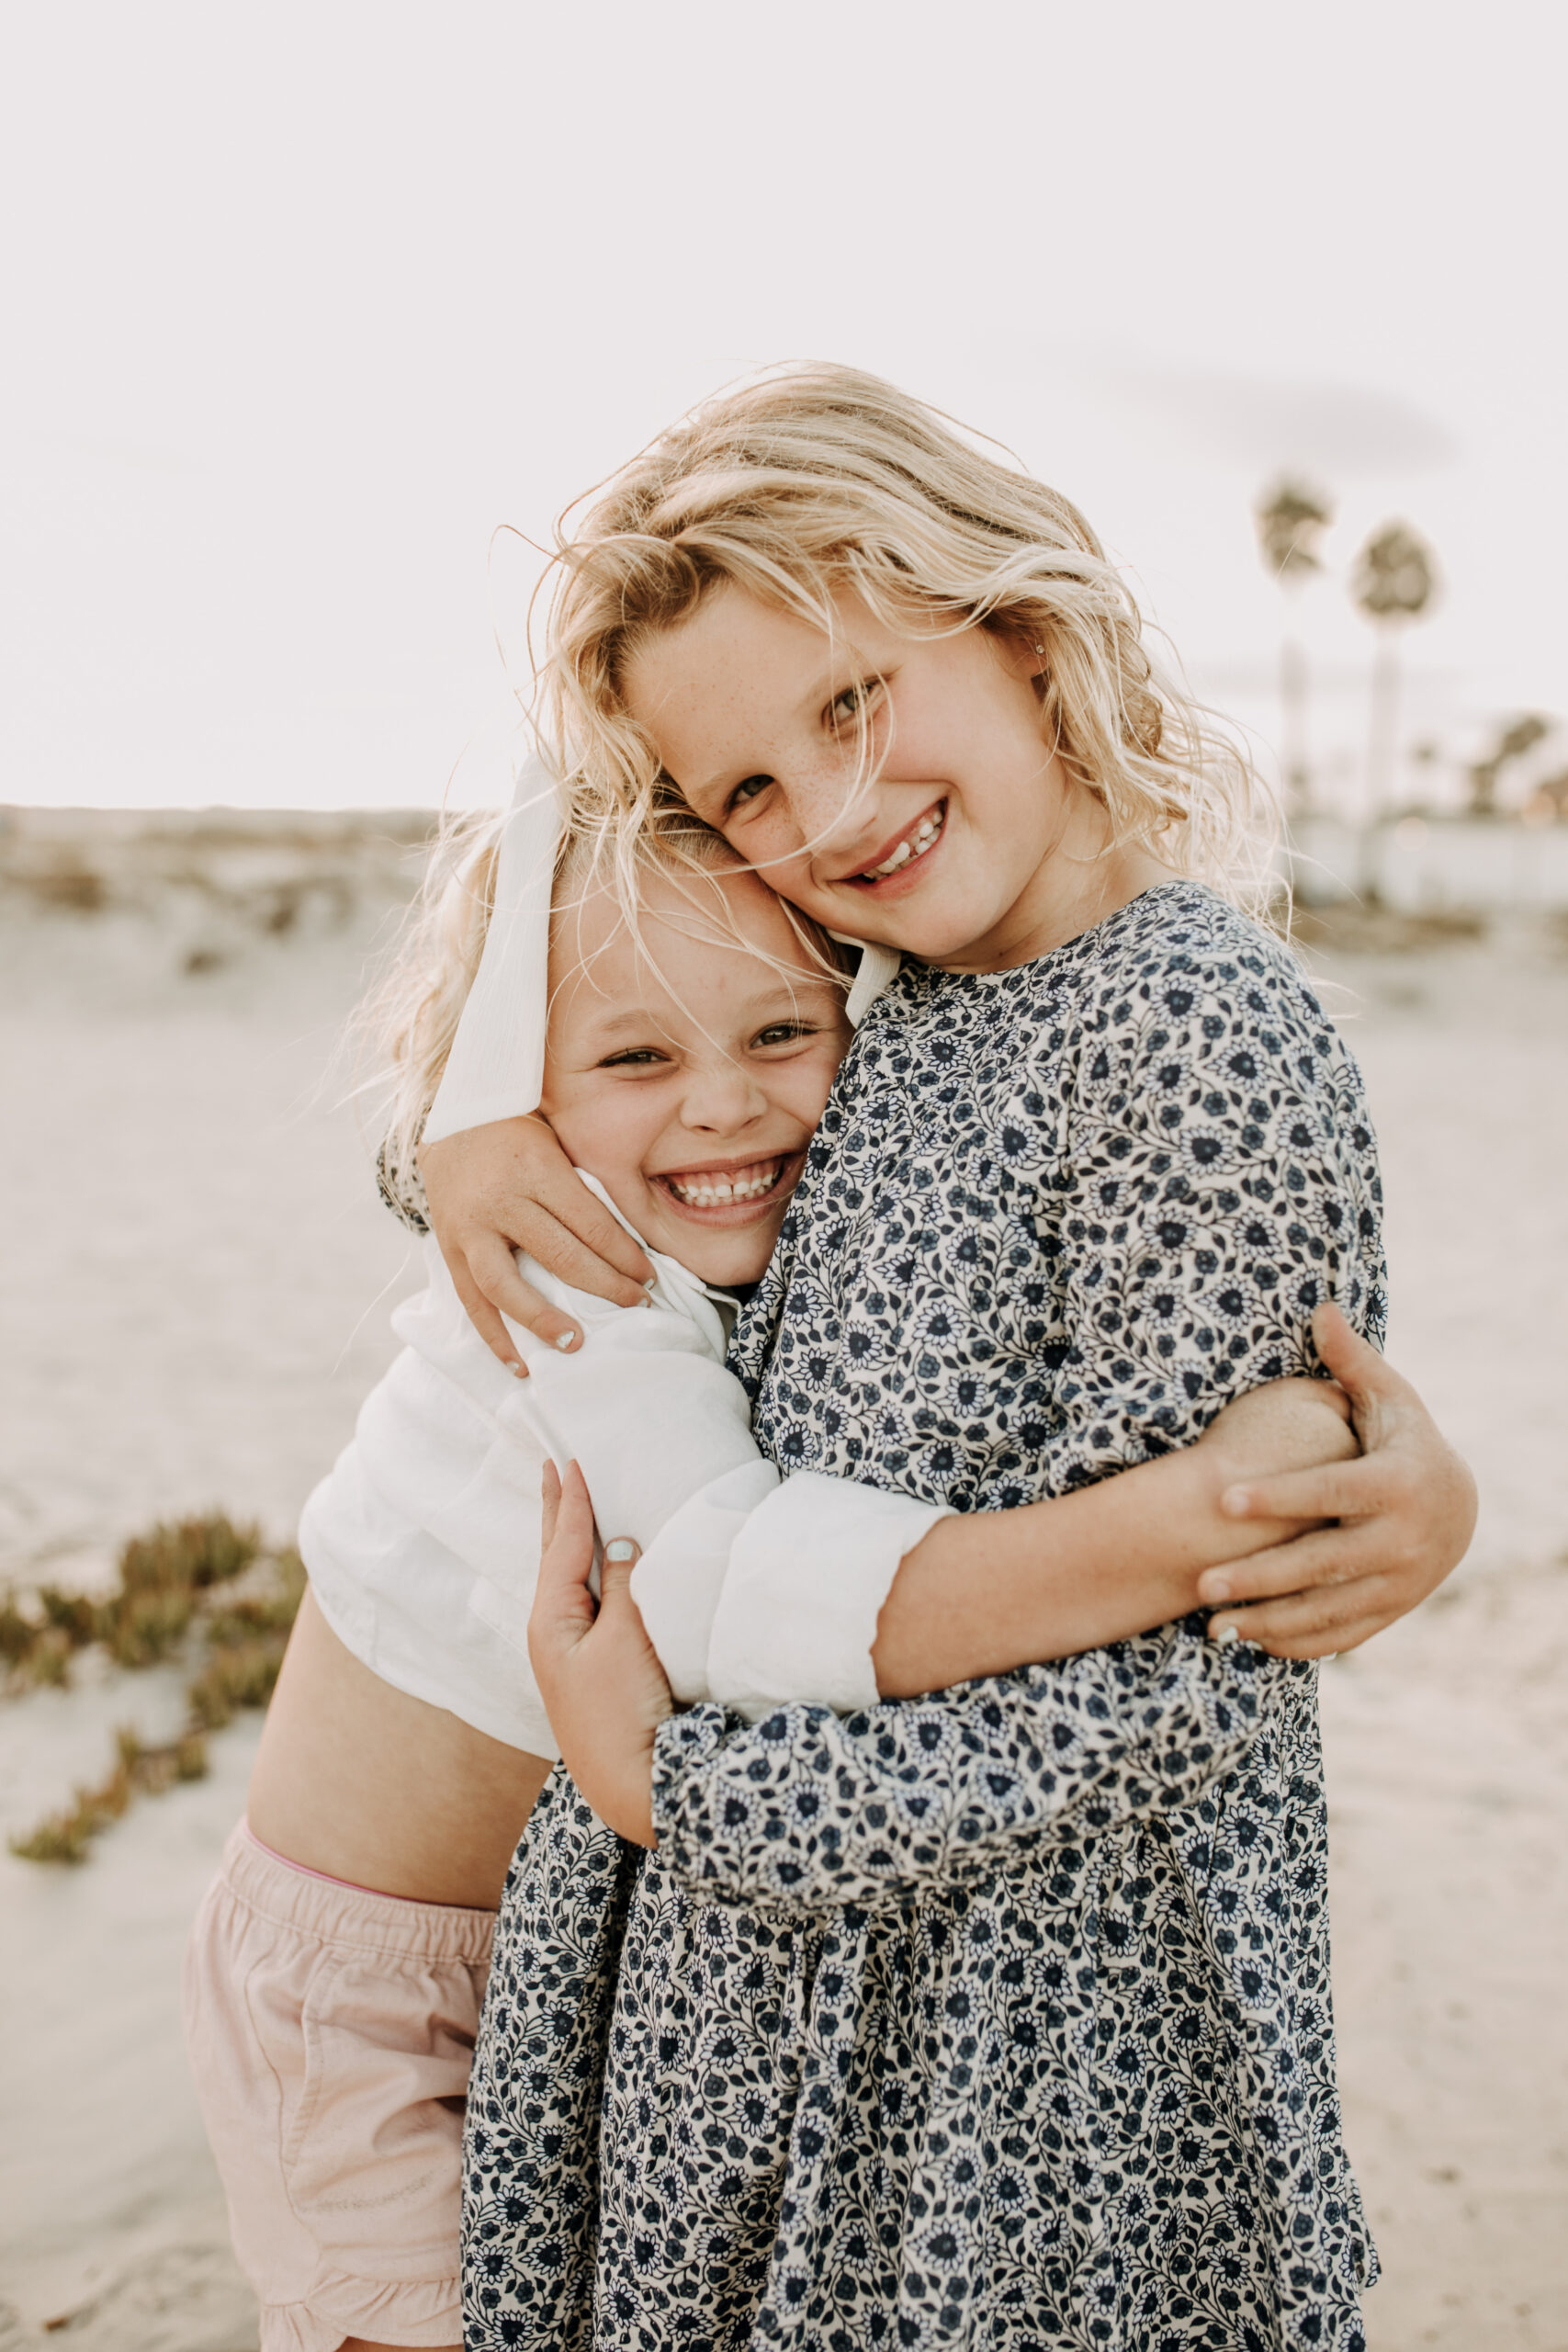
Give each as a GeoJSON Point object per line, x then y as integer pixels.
{"type": "Point", "coordinates": [999, 2017]}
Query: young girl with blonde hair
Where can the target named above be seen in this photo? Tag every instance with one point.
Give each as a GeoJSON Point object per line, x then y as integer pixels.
{"type": "Point", "coordinates": [683, 1051]}
{"type": "Point", "coordinates": [1000, 2015]}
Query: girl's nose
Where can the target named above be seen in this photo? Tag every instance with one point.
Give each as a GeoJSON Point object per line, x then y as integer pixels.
{"type": "Point", "coordinates": [722, 1099]}
{"type": "Point", "coordinates": [833, 806]}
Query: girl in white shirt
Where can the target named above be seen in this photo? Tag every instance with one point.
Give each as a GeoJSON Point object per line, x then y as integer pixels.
{"type": "Point", "coordinates": [337, 1966]}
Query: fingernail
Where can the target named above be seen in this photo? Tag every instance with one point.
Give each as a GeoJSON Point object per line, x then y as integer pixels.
{"type": "Point", "coordinates": [1226, 1636]}
{"type": "Point", "coordinates": [1234, 1500]}
{"type": "Point", "coordinates": [518, 1371]}
{"type": "Point", "coordinates": [620, 1551]}
{"type": "Point", "coordinates": [1216, 1589]}
{"type": "Point", "coordinates": [567, 1341]}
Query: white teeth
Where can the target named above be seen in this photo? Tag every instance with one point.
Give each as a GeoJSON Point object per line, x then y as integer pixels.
{"type": "Point", "coordinates": [925, 833]}
{"type": "Point", "coordinates": [714, 1193]}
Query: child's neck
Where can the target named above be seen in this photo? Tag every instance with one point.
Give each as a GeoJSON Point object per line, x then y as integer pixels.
{"type": "Point", "coordinates": [1076, 886]}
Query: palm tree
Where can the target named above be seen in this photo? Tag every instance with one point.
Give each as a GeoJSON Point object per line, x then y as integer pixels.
{"type": "Point", "coordinates": [1513, 741]}
{"type": "Point", "coordinates": [1395, 580]}
{"type": "Point", "coordinates": [1292, 516]}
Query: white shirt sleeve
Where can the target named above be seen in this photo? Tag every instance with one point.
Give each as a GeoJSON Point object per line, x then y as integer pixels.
{"type": "Point", "coordinates": [754, 1589]}
{"type": "Point", "coordinates": [652, 1419]}
{"type": "Point", "coordinates": [791, 1572]}
{"type": "Point", "coordinates": [496, 1066]}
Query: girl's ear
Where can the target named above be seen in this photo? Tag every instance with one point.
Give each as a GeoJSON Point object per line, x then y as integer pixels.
{"type": "Point", "coordinates": [1021, 651]}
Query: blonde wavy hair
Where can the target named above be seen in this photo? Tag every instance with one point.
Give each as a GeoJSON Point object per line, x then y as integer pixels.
{"type": "Point", "coordinates": [813, 481]}
{"type": "Point", "coordinates": [404, 1028]}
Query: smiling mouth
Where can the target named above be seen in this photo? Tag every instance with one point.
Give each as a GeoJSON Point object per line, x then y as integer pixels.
{"type": "Point", "coordinates": [728, 1188]}
{"type": "Point", "coordinates": [922, 836]}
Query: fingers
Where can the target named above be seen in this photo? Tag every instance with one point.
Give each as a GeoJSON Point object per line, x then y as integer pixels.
{"type": "Point", "coordinates": [493, 1269]}
{"type": "Point", "coordinates": [484, 1318]}
{"type": "Point", "coordinates": [566, 1557]}
{"type": "Point", "coordinates": [509, 1183]}
{"type": "Point", "coordinates": [487, 1323]}
{"type": "Point", "coordinates": [579, 1215]}
{"type": "Point", "coordinates": [1354, 1489]}
{"type": "Point", "coordinates": [1329, 1555]}
{"type": "Point", "coordinates": [547, 1238]}
{"type": "Point", "coordinates": [621, 1557]}
{"type": "Point", "coordinates": [1356, 1366]}
{"type": "Point", "coordinates": [1314, 1625]}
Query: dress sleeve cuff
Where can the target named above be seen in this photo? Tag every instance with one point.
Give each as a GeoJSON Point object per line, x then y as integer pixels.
{"type": "Point", "coordinates": [796, 1616]}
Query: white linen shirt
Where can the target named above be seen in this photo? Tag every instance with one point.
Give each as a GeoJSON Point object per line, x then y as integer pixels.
{"type": "Point", "coordinates": [422, 1541]}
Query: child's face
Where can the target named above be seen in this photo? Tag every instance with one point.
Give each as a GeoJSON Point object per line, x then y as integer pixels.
{"type": "Point", "coordinates": [689, 1079]}
{"type": "Point", "coordinates": [753, 714]}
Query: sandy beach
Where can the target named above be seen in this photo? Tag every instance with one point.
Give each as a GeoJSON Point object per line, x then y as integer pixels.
{"type": "Point", "coordinates": [198, 1283]}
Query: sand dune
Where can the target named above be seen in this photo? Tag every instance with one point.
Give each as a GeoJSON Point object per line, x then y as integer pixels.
{"type": "Point", "coordinates": [197, 1283]}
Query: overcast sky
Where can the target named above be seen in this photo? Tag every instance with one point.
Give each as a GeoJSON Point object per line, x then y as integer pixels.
{"type": "Point", "coordinates": [299, 301]}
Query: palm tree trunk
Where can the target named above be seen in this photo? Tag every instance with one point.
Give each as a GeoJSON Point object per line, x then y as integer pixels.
{"type": "Point", "coordinates": [1294, 760]}
{"type": "Point", "coordinates": [1382, 733]}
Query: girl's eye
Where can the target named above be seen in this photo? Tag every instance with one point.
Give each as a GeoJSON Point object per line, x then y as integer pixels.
{"type": "Point", "coordinates": [783, 1032]}
{"type": "Point", "coordinates": [845, 708]}
{"type": "Point", "coordinates": [634, 1057]}
{"type": "Point", "coordinates": [750, 788]}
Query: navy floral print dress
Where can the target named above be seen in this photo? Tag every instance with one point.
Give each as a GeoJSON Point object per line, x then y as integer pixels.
{"type": "Point", "coordinates": [999, 2018]}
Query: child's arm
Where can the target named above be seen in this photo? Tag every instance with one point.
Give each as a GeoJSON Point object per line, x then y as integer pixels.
{"type": "Point", "coordinates": [1175, 1534]}
{"type": "Point", "coordinates": [1406, 1510]}
{"type": "Point", "coordinates": [507, 1186]}
{"type": "Point", "coordinates": [756, 1590]}
{"type": "Point", "coordinates": [992, 1590]}
{"type": "Point", "coordinates": [821, 1589]}
{"type": "Point", "coordinates": [809, 1811]}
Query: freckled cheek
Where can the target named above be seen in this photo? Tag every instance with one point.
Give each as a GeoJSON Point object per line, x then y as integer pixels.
{"type": "Point", "coordinates": [774, 849]}
{"type": "Point", "coordinates": [611, 1143]}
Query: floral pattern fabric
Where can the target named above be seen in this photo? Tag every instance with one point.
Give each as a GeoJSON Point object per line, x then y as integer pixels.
{"type": "Point", "coordinates": [999, 2018]}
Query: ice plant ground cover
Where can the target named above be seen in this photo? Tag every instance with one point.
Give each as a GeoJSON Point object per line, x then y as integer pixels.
{"type": "Point", "coordinates": [201, 1590]}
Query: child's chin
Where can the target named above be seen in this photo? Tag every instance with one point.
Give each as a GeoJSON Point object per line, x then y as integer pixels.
{"type": "Point", "coordinates": [724, 1269]}
{"type": "Point", "coordinates": [719, 1255]}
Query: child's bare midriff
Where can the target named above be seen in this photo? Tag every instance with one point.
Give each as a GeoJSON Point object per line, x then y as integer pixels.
{"type": "Point", "coordinates": [362, 1783]}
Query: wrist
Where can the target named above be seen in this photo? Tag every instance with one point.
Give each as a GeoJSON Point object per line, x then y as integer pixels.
{"type": "Point", "coordinates": [622, 1796]}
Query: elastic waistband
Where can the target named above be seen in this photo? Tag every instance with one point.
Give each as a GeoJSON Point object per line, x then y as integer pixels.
{"type": "Point", "coordinates": [305, 1870]}
{"type": "Point", "coordinates": [352, 1918]}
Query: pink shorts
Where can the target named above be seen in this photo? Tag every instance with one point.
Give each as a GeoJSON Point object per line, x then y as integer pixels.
{"type": "Point", "coordinates": [330, 2031]}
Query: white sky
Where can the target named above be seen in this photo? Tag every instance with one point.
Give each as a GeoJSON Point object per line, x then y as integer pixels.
{"type": "Point", "coordinates": [299, 301]}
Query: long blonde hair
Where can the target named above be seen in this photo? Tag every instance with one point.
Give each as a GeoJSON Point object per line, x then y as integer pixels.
{"type": "Point", "coordinates": [813, 481]}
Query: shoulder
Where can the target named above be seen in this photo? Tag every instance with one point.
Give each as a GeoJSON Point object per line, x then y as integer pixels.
{"type": "Point", "coordinates": [1181, 938]}
{"type": "Point", "coordinates": [1180, 973]}
{"type": "Point", "coordinates": [1201, 1054]}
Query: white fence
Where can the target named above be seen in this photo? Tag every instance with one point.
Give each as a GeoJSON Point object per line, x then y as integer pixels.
{"type": "Point", "coordinates": [1429, 864]}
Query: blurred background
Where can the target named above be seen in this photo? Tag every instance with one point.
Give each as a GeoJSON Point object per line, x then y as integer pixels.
{"type": "Point", "coordinates": [301, 305]}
